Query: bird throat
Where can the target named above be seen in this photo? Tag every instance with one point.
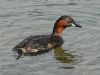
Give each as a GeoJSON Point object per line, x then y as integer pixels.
{"type": "Point", "coordinates": [58, 32]}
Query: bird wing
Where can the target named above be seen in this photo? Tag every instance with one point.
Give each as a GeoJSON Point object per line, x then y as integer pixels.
{"type": "Point", "coordinates": [34, 42]}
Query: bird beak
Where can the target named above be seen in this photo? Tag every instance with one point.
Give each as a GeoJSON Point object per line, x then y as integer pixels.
{"type": "Point", "coordinates": [76, 25]}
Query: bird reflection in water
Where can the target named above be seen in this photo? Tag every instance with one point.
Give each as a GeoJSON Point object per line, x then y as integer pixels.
{"type": "Point", "coordinates": [63, 56]}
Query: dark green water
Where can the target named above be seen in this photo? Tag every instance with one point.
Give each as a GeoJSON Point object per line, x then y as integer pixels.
{"type": "Point", "coordinates": [79, 55]}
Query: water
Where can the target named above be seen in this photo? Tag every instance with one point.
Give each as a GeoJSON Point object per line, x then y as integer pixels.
{"type": "Point", "coordinates": [79, 55]}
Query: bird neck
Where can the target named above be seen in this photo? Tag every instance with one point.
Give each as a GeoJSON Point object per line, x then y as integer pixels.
{"type": "Point", "coordinates": [59, 27]}
{"type": "Point", "coordinates": [57, 31]}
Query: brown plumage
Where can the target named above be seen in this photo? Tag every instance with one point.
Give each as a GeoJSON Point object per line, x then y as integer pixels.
{"type": "Point", "coordinates": [34, 45]}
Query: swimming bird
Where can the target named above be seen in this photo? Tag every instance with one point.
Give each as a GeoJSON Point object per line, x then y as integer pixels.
{"type": "Point", "coordinates": [34, 45]}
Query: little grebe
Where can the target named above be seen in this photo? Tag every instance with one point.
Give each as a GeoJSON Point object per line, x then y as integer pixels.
{"type": "Point", "coordinates": [34, 45]}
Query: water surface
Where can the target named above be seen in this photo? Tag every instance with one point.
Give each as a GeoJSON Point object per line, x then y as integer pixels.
{"type": "Point", "coordinates": [79, 55]}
